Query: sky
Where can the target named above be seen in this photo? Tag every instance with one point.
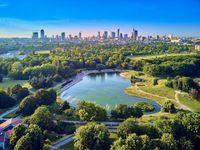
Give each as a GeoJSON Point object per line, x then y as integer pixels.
{"type": "Point", "coordinates": [19, 18]}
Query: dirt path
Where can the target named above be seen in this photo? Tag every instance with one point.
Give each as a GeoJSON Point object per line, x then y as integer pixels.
{"type": "Point", "coordinates": [180, 104]}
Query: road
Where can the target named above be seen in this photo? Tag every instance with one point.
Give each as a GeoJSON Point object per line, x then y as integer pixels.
{"type": "Point", "coordinates": [8, 112]}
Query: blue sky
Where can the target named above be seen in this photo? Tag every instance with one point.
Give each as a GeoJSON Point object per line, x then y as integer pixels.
{"type": "Point", "coordinates": [150, 17]}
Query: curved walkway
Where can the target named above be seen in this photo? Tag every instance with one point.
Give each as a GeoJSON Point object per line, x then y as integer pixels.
{"type": "Point", "coordinates": [176, 98]}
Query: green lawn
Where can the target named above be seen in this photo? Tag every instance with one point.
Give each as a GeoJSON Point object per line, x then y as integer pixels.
{"type": "Point", "coordinates": [158, 56]}
{"type": "Point", "coordinates": [159, 89]}
{"type": "Point", "coordinates": [10, 83]}
{"type": "Point", "coordinates": [187, 100]}
{"type": "Point", "coordinates": [43, 52]}
{"type": "Point", "coordinates": [69, 146]}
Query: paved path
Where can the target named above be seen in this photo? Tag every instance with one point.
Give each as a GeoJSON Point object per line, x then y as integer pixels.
{"type": "Point", "coordinates": [8, 112]}
{"type": "Point", "coordinates": [67, 139]}
{"type": "Point", "coordinates": [108, 123]}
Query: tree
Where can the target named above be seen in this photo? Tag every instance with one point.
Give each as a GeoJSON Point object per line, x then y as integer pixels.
{"type": "Point", "coordinates": [132, 142]}
{"type": "Point", "coordinates": [129, 126]}
{"type": "Point", "coordinates": [31, 140]}
{"type": "Point", "coordinates": [171, 126]}
{"type": "Point", "coordinates": [88, 111]}
{"type": "Point", "coordinates": [144, 106]}
{"type": "Point", "coordinates": [6, 101]}
{"type": "Point", "coordinates": [24, 143]}
{"type": "Point", "coordinates": [16, 134]}
{"type": "Point", "coordinates": [45, 97]}
{"type": "Point", "coordinates": [168, 142]}
{"type": "Point", "coordinates": [123, 111]}
{"type": "Point", "coordinates": [28, 105]}
{"type": "Point", "coordinates": [92, 136]}
{"type": "Point", "coordinates": [169, 107]}
{"type": "Point", "coordinates": [42, 117]}
{"type": "Point", "coordinates": [19, 92]}
{"type": "Point", "coordinates": [64, 105]}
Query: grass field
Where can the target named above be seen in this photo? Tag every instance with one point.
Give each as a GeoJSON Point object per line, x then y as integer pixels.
{"type": "Point", "coordinates": [159, 89]}
{"type": "Point", "coordinates": [159, 56]}
{"type": "Point", "coordinates": [187, 100]}
{"type": "Point", "coordinates": [12, 115]}
{"type": "Point", "coordinates": [154, 117]}
{"type": "Point", "coordinates": [10, 83]}
{"type": "Point", "coordinates": [43, 52]}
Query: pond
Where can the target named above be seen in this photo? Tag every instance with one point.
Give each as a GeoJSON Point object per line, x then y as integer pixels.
{"type": "Point", "coordinates": [105, 89]}
{"type": "Point", "coordinates": [13, 54]}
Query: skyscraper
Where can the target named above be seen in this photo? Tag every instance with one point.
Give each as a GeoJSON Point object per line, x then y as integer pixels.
{"type": "Point", "coordinates": [105, 34]}
{"type": "Point", "coordinates": [118, 33]}
{"type": "Point", "coordinates": [99, 35]}
{"type": "Point", "coordinates": [35, 36]}
{"type": "Point", "coordinates": [63, 36]}
{"type": "Point", "coordinates": [112, 35]}
{"type": "Point", "coordinates": [134, 35]}
{"type": "Point", "coordinates": [79, 35]}
{"type": "Point", "coordinates": [42, 36]}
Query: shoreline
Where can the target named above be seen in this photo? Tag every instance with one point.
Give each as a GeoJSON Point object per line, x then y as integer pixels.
{"type": "Point", "coordinates": [81, 75]}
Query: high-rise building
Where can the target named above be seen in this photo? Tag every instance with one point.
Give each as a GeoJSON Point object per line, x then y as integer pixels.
{"type": "Point", "coordinates": [35, 36]}
{"type": "Point", "coordinates": [121, 36]}
{"type": "Point", "coordinates": [112, 35]}
{"type": "Point", "coordinates": [42, 36]}
{"type": "Point", "coordinates": [134, 35]}
{"type": "Point", "coordinates": [79, 35]}
{"type": "Point", "coordinates": [125, 36]}
{"type": "Point", "coordinates": [63, 36]}
{"type": "Point", "coordinates": [105, 34]}
{"type": "Point", "coordinates": [70, 37]}
{"type": "Point", "coordinates": [118, 33]}
{"type": "Point", "coordinates": [99, 35]}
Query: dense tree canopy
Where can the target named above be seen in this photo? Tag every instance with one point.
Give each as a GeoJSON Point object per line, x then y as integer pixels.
{"type": "Point", "coordinates": [92, 137]}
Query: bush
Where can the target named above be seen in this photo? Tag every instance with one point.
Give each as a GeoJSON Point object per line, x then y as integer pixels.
{"type": "Point", "coordinates": [144, 106]}
{"type": "Point", "coordinates": [168, 107]}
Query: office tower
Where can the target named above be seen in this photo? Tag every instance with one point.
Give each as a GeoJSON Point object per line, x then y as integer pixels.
{"type": "Point", "coordinates": [35, 36]}
{"type": "Point", "coordinates": [134, 35]}
{"type": "Point", "coordinates": [157, 37]}
{"type": "Point", "coordinates": [79, 35]}
{"type": "Point", "coordinates": [99, 35]}
{"type": "Point", "coordinates": [105, 34]}
{"type": "Point", "coordinates": [42, 36]}
{"type": "Point", "coordinates": [112, 35]}
{"type": "Point", "coordinates": [63, 36]}
{"type": "Point", "coordinates": [118, 33]}
{"type": "Point", "coordinates": [126, 36]}
{"type": "Point", "coordinates": [70, 37]}
{"type": "Point", "coordinates": [121, 36]}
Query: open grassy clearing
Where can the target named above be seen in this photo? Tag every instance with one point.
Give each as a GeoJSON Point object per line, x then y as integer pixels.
{"type": "Point", "coordinates": [153, 117]}
{"type": "Point", "coordinates": [159, 56]}
{"type": "Point", "coordinates": [43, 52]}
{"type": "Point", "coordinates": [187, 100]}
{"type": "Point", "coordinates": [8, 83]}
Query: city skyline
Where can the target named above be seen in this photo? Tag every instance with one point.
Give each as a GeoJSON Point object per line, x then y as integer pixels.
{"type": "Point", "coordinates": [180, 18]}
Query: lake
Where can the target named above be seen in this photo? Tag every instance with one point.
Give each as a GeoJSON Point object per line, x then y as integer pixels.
{"type": "Point", "coordinates": [13, 54]}
{"type": "Point", "coordinates": [105, 89]}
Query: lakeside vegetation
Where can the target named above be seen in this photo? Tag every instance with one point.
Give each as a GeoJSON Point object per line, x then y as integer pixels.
{"type": "Point", "coordinates": [156, 79]}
